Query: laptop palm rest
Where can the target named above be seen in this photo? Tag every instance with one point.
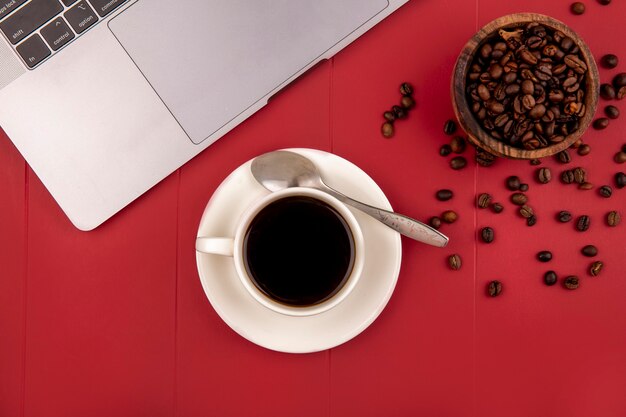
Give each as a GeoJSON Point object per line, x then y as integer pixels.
{"type": "Point", "coordinates": [211, 61]}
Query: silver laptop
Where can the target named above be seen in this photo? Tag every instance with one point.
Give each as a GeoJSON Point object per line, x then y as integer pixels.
{"type": "Point", "coordinates": [105, 98]}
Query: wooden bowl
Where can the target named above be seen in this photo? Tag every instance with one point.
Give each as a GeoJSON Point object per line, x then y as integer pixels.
{"type": "Point", "coordinates": [476, 134]}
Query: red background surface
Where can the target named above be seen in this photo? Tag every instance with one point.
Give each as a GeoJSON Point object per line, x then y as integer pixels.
{"type": "Point", "coordinates": [115, 322]}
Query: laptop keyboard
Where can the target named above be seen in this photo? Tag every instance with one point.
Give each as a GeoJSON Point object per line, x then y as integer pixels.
{"type": "Point", "coordinates": [38, 28]}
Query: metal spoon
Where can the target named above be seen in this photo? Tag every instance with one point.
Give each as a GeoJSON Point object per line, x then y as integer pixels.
{"type": "Point", "coordinates": [282, 169]}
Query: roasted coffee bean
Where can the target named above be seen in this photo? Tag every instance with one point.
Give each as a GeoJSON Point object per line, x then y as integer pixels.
{"type": "Point", "coordinates": [604, 2]}
{"type": "Point", "coordinates": [387, 129]}
{"type": "Point", "coordinates": [544, 175]}
{"type": "Point", "coordinates": [578, 8]}
{"type": "Point", "coordinates": [513, 182]}
{"type": "Point", "coordinates": [531, 221]}
{"type": "Point", "coordinates": [458, 162]}
{"type": "Point", "coordinates": [619, 80]}
{"type": "Point", "coordinates": [483, 158]}
{"type": "Point", "coordinates": [457, 144]}
{"type": "Point", "coordinates": [523, 187]}
{"type": "Point", "coordinates": [449, 216]}
{"type": "Point", "coordinates": [582, 224]}
{"type": "Point", "coordinates": [605, 191]}
{"type": "Point", "coordinates": [613, 218]}
{"type": "Point", "coordinates": [584, 149]}
{"type": "Point", "coordinates": [399, 112]}
{"type": "Point", "coordinates": [620, 93]}
{"type": "Point", "coordinates": [595, 268]}
{"type": "Point", "coordinates": [449, 127]}
{"type": "Point", "coordinates": [494, 288]}
{"type": "Point", "coordinates": [580, 175]}
{"type": "Point", "coordinates": [589, 250]}
{"type": "Point", "coordinates": [564, 157]}
{"type": "Point", "coordinates": [407, 102]}
{"type": "Point", "coordinates": [519, 199]}
{"type": "Point", "coordinates": [567, 176]}
{"type": "Point", "coordinates": [526, 211]}
{"type": "Point", "coordinates": [620, 157]}
{"type": "Point", "coordinates": [544, 256]}
{"type": "Point", "coordinates": [585, 186]}
{"type": "Point", "coordinates": [406, 89]}
{"type": "Point", "coordinates": [571, 282]}
{"type": "Point", "coordinates": [487, 234]}
{"type": "Point", "coordinates": [550, 278]}
{"type": "Point", "coordinates": [564, 216]}
{"type": "Point", "coordinates": [435, 222]}
{"type": "Point", "coordinates": [609, 61]}
{"type": "Point", "coordinates": [611, 112]}
{"type": "Point", "coordinates": [497, 208]}
{"type": "Point", "coordinates": [444, 194]}
{"type": "Point", "coordinates": [389, 116]}
{"type": "Point", "coordinates": [601, 123]}
{"type": "Point", "coordinates": [483, 200]}
{"type": "Point", "coordinates": [620, 180]}
{"type": "Point", "coordinates": [445, 150]}
{"type": "Point", "coordinates": [454, 262]}
{"type": "Point", "coordinates": [607, 92]}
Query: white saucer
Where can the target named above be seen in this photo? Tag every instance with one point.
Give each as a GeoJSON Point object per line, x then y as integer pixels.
{"type": "Point", "coordinates": [246, 316]}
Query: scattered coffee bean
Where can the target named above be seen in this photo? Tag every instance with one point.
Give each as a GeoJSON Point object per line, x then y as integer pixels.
{"type": "Point", "coordinates": [458, 162]}
{"type": "Point", "coordinates": [535, 162]}
{"type": "Point", "coordinates": [487, 234]}
{"type": "Point", "coordinates": [609, 61]}
{"type": "Point", "coordinates": [585, 186]}
{"type": "Point", "coordinates": [523, 187]}
{"type": "Point", "coordinates": [444, 194]}
{"type": "Point", "coordinates": [497, 208]}
{"type": "Point", "coordinates": [449, 127]}
{"type": "Point", "coordinates": [567, 176]}
{"type": "Point", "coordinates": [584, 149]}
{"type": "Point", "coordinates": [389, 116]}
{"type": "Point", "coordinates": [601, 123]}
{"type": "Point", "coordinates": [457, 144]}
{"type": "Point", "coordinates": [531, 221]}
{"type": "Point", "coordinates": [550, 278]}
{"type": "Point", "coordinates": [620, 157]}
{"type": "Point", "coordinates": [454, 261]}
{"type": "Point", "coordinates": [407, 102]}
{"type": "Point", "coordinates": [513, 182]}
{"type": "Point", "coordinates": [611, 112]}
{"type": "Point", "coordinates": [435, 222]}
{"type": "Point", "coordinates": [445, 150]}
{"type": "Point", "coordinates": [607, 91]}
{"type": "Point", "coordinates": [406, 89]}
{"type": "Point", "coordinates": [619, 80]}
{"type": "Point", "coordinates": [605, 191]}
{"type": "Point", "coordinates": [613, 218]}
{"type": "Point", "coordinates": [483, 158]}
{"type": "Point", "coordinates": [595, 268]}
{"type": "Point", "coordinates": [399, 112]}
{"type": "Point", "coordinates": [580, 175]}
{"type": "Point", "coordinates": [494, 288]}
{"type": "Point", "coordinates": [544, 175]}
{"type": "Point", "coordinates": [621, 93]}
{"type": "Point", "coordinates": [571, 282]}
{"type": "Point", "coordinates": [589, 250]}
{"type": "Point", "coordinates": [526, 211]}
{"type": "Point", "coordinates": [620, 180]}
{"type": "Point", "coordinates": [483, 200]}
{"type": "Point", "coordinates": [564, 216]}
{"type": "Point", "coordinates": [544, 256]}
{"type": "Point", "coordinates": [582, 224]}
{"type": "Point", "coordinates": [578, 8]}
{"type": "Point", "coordinates": [564, 157]}
{"type": "Point", "coordinates": [449, 216]}
{"type": "Point", "coordinates": [519, 199]}
{"type": "Point", "coordinates": [387, 129]}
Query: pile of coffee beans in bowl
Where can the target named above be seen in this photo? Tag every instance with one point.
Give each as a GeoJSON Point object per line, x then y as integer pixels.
{"type": "Point", "coordinates": [526, 86]}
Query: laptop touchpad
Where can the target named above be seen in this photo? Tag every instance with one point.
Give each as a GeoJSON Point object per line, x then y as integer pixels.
{"type": "Point", "coordinates": [209, 61]}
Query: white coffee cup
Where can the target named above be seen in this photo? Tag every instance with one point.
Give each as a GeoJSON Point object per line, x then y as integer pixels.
{"type": "Point", "coordinates": [234, 247]}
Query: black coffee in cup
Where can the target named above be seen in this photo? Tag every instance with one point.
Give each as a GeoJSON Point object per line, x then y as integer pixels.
{"type": "Point", "coordinates": [299, 251]}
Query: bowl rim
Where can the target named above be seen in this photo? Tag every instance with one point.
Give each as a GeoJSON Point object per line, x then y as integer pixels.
{"type": "Point", "coordinates": [476, 134]}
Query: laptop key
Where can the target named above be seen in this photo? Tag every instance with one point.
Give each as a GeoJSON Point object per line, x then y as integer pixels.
{"type": "Point", "coordinates": [104, 7]}
{"type": "Point", "coordinates": [57, 33]}
{"type": "Point", "coordinates": [24, 21]}
{"type": "Point", "coordinates": [81, 17]}
{"type": "Point", "coordinates": [7, 6]}
{"type": "Point", "coordinates": [33, 50]}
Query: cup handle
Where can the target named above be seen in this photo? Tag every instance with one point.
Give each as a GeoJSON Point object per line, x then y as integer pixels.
{"type": "Point", "coordinates": [215, 245]}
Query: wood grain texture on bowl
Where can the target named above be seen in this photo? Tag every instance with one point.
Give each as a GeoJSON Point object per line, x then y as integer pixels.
{"type": "Point", "coordinates": [476, 134]}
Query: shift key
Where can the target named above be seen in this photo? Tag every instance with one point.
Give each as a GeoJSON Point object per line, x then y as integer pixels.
{"type": "Point", "coordinates": [24, 21]}
{"type": "Point", "coordinates": [81, 16]}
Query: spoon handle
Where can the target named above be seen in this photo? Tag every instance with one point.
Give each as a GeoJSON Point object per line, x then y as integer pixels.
{"type": "Point", "coordinates": [402, 224]}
